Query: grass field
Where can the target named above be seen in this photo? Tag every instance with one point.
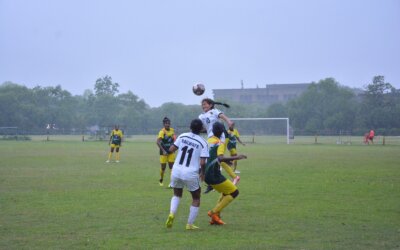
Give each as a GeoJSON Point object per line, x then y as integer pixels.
{"type": "Point", "coordinates": [61, 195]}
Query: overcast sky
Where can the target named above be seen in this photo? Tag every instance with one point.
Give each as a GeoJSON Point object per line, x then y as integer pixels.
{"type": "Point", "coordinates": [159, 48]}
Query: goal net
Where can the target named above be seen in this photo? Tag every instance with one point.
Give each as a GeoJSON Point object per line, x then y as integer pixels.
{"type": "Point", "coordinates": [264, 130]}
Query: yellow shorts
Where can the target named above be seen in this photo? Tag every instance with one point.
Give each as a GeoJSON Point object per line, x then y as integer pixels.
{"type": "Point", "coordinates": [233, 151]}
{"type": "Point", "coordinates": [167, 158]}
{"type": "Point", "coordinates": [115, 145]}
{"type": "Point", "coordinates": [225, 187]}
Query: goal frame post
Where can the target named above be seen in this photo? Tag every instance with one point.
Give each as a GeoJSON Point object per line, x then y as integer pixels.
{"type": "Point", "coordinates": [264, 119]}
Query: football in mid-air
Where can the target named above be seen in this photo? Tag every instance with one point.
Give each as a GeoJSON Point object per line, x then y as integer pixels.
{"type": "Point", "coordinates": [198, 89]}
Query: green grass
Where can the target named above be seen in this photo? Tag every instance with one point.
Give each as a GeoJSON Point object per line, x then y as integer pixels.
{"type": "Point", "coordinates": [61, 195]}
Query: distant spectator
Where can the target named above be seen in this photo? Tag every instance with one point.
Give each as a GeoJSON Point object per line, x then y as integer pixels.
{"type": "Point", "coordinates": [369, 137]}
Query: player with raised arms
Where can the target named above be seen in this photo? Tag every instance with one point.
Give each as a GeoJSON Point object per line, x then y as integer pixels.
{"type": "Point", "coordinates": [191, 158]}
{"type": "Point", "coordinates": [209, 117]}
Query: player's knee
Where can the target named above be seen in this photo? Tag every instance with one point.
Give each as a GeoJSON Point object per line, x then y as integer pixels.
{"type": "Point", "coordinates": [235, 193]}
{"type": "Point", "coordinates": [196, 202]}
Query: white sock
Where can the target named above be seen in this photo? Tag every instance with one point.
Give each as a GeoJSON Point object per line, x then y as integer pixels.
{"type": "Point", "coordinates": [193, 214]}
{"type": "Point", "coordinates": [174, 204]}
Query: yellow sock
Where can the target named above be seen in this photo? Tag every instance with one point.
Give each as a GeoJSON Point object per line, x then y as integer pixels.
{"type": "Point", "coordinates": [117, 156]}
{"type": "Point", "coordinates": [223, 203]}
{"type": "Point", "coordinates": [109, 156]}
{"type": "Point", "coordinates": [228, 169]}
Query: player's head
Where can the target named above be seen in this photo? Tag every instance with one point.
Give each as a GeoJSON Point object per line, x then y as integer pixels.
{"type": "Point", "coordinates": [116, 126]}
{"type": "Point", "coordinates": [166, 122]}
{"type": "Point", "coordinates": [218, 129]}
{"type": "Point", "coordinates": [208, 104]}
{"type": "Point", "coordinates": [196, 126]}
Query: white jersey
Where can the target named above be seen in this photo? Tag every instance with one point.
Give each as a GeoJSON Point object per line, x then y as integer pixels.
{"type": "Point", "coordinates": [187, 162]}
{"type": "Point", "coordinates": [209, 118]}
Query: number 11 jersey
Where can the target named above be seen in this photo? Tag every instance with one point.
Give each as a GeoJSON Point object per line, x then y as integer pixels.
{"type": "Point", "coordinates": [191, 148]}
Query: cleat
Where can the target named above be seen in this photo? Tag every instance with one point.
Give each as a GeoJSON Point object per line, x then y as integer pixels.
{"type": "Point", "coordinates": [209, 189]}
{"type": "Point", "coordinates": [237, 172]}
{"type": "Point", "coordinates": [191, 227]}
{"type": "Point", "coordinates": [236, 180]}
{"type": "Point", "coordinates": [107, 161]}
{"type": "Point", "coordinates": [215, 219]}
{"type": "Point", "coordinates": [161, 184]}
{"type": "Point", "coordinates": [116, 161]}
{"type": "Point", "coordinates": [170, 220]}
{"type": "Point", "coordinates": [169, 186]}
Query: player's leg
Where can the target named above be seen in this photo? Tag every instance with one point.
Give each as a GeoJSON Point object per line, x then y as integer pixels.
{"type": "Point", "coordinates": [163, 163]}
{"type": "Point", "coordinates": [234, 153]}
{"type": "Point", "coordinates": [117, 153]}
{"type": "Point", "coordinates": [228, 169]}
{"type": "Point", "coordinates": [194, 208]}
{"type": "Point", "coordinates": [229, 192]}
{"type": "Point", "coordinates": [175, 200]}
{"type": "Point", "coordinates": [111, 152]}
{"type": "Point", "coordinates": [366, 139]}
{"type": "Point", "coordinates": [171, 160]}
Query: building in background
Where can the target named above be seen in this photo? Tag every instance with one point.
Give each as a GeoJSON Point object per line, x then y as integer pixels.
{"type": "Point", "coordinates": [272, 93]}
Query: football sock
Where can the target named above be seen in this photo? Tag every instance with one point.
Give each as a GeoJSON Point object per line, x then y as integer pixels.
{"type": "Point", "coordinates": [223, 203]}
{"type": "Point", "coordinates": [228, 169]}
{"type": "Point", "coordinates": [174, 204]}
{"type": "Point", "coordinates": [109, 156]}
{"type": "Point", "coordinates": [117, 156]}
{"type": "Point", "coordinates": [194, 211]}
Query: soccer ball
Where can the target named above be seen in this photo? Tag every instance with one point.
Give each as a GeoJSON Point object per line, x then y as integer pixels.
{"type": "Point", "coordinates": [198, 89]}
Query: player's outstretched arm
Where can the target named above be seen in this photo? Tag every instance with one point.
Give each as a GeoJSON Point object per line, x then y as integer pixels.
{"type": "Point", "coordinates": [226, 119]}
{"type": "Point", "coordinates": [222, 158]}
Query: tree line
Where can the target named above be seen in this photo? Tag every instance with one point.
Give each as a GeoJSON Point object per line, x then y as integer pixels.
{"type": "Point", "coordinates": [325, 106]}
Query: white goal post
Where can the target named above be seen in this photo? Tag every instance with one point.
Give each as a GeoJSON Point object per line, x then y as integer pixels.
{"type": "Point", "coordinates": [264, 119]}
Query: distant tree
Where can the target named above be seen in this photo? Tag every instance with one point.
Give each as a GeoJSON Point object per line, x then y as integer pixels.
{"type": "Point", "coordinates": [380, 105]}
{"type": "Point", "coordinates": [277, 110]}
{"type": "Point", "coordinates": [16, 106]}
{"type": "Point", "coordinates": [324, 106]}
{"type": "Point", "coordinates": [132, 112]}
{"type": "Point", "coordinates": [105, 86]}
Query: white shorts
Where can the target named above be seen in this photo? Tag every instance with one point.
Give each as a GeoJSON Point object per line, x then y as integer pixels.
{"type": "Point", "coordinates": [191, 184]}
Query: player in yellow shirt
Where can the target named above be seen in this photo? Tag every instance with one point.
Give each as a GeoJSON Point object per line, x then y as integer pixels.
{"type": "Point", "coordinates": [165, 139]}
{"type": "Point", "coordinates": [214, 177]}
{"type": "Point", "coordinates": [232, 139]}
{"type": "Point", "coordinates": [115, 142]}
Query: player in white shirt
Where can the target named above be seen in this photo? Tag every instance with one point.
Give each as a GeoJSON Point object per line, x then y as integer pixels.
{"type": "Point", "coordinates": [188, 171]}
{"type": "Point", "coordinates": [209, 117]}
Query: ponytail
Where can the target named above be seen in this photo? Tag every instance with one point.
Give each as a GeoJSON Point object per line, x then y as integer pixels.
{"type": "Point", "coordinates": [212, 103]}
{"type": "Point", "coordinates": [223, 104]}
